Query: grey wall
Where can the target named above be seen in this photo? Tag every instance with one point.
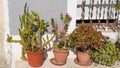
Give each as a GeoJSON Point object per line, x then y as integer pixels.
{"type": "Point", "coordinates": [46, 8]}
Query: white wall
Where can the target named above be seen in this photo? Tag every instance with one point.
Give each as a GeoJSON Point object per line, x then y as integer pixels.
{"type": "Point", "coordinates": [7, 46]}
{"type": "Point", "coordinates": [71, 8]}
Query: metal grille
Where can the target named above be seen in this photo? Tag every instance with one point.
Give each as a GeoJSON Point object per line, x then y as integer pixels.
{"type": "Point", "coordinates": [100, 13]}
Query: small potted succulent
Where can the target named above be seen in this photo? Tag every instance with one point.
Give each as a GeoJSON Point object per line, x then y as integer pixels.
{"type": "Point", "coordinates": [61, 43]}
{"type": "Point", "coordinates": [84, 39]}
{"type": "Point", "coordinates": [31, 32]}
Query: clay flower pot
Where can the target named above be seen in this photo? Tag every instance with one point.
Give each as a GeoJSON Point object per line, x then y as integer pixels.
{"type": "Point", "coordinates": [35, 59]}
{"type": "Point", "coordinates": [60, 57]}
{"type": "Point", "coordinates": [83, 59]}
{"type": "Point", "coordinates": [117, 44]}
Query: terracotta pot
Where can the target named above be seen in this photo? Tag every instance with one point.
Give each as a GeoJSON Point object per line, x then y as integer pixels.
{"type": "Point", "coordinates": [83, 59]}
{"type": "Point", "coordinates": [35, 59]}
{"type": "Point", "coordinates": [60, 57]}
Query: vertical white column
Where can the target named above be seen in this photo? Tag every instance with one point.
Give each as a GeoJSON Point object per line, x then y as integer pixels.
{"type": "Point", "coordinates": [7, 47]}
{"type": "Point", "coordinates": [71, 9]}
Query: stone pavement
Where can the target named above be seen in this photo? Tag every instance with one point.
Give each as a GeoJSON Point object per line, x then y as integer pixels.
{"type": "Point", "coordinates": [3, 63]}
{"type": "Point", "coordinates": [70, 64]}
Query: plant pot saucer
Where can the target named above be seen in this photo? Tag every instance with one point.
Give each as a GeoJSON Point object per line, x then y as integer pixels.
{"type": "Point", "coordinates": [76, 61]}
{"type": "Point", "coordinates": [53, 61]}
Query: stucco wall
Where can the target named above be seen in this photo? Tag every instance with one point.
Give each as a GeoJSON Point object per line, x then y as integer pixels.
{"type": "Point", "coordinates": [1, 27]}
{"type": "Point", "coordinates": [47, 9]}
{"type": "Point", "coordinates": [4, 53]}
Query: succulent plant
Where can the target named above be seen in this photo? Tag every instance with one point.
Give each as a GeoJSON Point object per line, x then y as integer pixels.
{"type": "Point", "coordinates": [102, 51]}
{"type": "Point", "coordinates": [85, 38]}
{"type": "Point", "coordinates": [31, 31]}
{"type": "Point", "coordinates": [107, 55]}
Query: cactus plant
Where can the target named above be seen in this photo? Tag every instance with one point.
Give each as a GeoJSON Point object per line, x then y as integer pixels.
{"type": "Point", "coordinates": [31, 31]}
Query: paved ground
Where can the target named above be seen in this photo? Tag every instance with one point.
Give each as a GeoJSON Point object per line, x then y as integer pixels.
{"type": "Point", "coordinates": [2, 59]}
{"type": "Point", "coordinates": [3, 63]}
{"type": "Point", "coordinates": [70, 64]}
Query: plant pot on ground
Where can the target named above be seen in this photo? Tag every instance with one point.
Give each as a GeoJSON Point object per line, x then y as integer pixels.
{"type": "Point", "coordinates": [31, 32]}
{"type": "Point", "coordinates": [118, 43]}
{"type": "Point", "coordinates": [84, 39]}
{"type": "Point", "coordinates": [61, 43]}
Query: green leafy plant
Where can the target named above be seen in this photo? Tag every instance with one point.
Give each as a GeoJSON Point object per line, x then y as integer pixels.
{"type": "Point", "coordinates": [85, 38]}
{"type": "Point", "coordinates": [106, 55]}
{"type": "Point", "coordinates": [62, 37]}
{"type": "Point", "coordinates": [117, 7]}
{"type": "Point", "coordinates": [31, 32]}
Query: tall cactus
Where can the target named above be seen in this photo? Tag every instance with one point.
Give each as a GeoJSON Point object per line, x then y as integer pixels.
{"type": "Point", "coordinates": [31, 31]}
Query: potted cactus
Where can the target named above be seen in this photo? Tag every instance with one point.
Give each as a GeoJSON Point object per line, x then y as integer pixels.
{"type": "Point", "coordinates": [61, 43]}
{"type": "Point", "coordinates": [31, 31]}
{"type": "Point", "coordinates": [84, 39]}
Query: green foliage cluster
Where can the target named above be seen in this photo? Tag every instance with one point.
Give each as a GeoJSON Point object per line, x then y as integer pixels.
{"type": "Point", "coordinates": [85, 38]}
{"type": "Point", "coordinates": [117, 7]}
{"type": "Point", "coordinates": [106, 55]}
{"type": "Point", "coordinates": [31, 31]}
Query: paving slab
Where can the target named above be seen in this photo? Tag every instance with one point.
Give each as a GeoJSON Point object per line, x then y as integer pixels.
{"type": "Point", "coordinates": [69, 64]}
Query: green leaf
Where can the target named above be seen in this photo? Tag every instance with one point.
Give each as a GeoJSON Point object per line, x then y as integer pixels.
{"type": "Point", "coordinates": [44, 40]}
{"type": "Point", "coordinates": [25, 10]}
{"type": "Point", "coordinates": [23, 19]}
{"type": "Point", "coordinates": [47, 24]}
{"type": "Point", "coordinates": [20, 32]}
{"type": "Point", "coordinates": [47, 37]}
{"type": "Point", "coordinates": [34, 13]}
{"type": "Point", "coordinates": [31, 18]}
{"type": "Point", "coordinates": [34, 35]}
{"type": "Point", "coordinates": [9, 38]}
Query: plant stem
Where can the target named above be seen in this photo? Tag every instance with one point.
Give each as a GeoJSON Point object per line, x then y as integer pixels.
{"type": "Point", "coordinates": [15, 41]}
{"type": "Point", "coordinates": [48, 41]}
